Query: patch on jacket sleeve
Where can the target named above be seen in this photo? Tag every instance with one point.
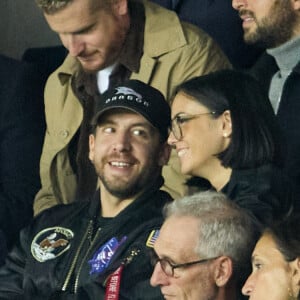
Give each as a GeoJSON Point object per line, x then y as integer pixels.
{"type": "Point", "coordinates": [152, 238]}
{"type": "Point", "coordinates": [51, 243]}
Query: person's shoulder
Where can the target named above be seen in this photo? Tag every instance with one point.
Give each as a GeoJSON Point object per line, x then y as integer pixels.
{"type": "Point", "coordinates": [153, 10]}
{"type": "Point", "coordinates": [62, 211]}
{"type": "Point", "coordinates": [10, 68]}
{"type": "Point", "coordinates": [250, 181]}
{"type": "Point", "coordinates": [166, 33]}
{"type": "Point", "coordinates": [267, 178]}
{"type": "Point", "coordinates": [195, 34]}
{"type": "Point", "coordinates": [68, 68]}
{"type": "Point", "coordinates": [163, 25]}
{"type": "Point", "coordinates": [62, 75]}
{"type": "Point", "coordinates": [252, 174]}
{"type": "Point", "coordinates": [8, 61]}
{"type": "Point", "coordinates": [20, 83]}
{"type": "Point", "coordinates": [263, 63]}
{"type": "Point", "coordinates": [69, 65]}
{"type": "Point", "coordinates": [163, 197]}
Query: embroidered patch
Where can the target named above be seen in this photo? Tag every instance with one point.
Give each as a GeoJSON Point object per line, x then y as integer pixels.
{"type": "Point", "coordinates": [51, 243]}
{"type": "Point", "coordinates": [152, 238]}
{"type": "Point", "coordinates": [103, 255]}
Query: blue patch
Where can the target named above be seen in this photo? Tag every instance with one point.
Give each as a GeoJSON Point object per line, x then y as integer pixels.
{"type": "Point", "coordinates": [103, 255]}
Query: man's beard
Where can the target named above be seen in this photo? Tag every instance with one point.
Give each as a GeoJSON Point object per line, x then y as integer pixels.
{"type": "Point", "coordinates": [274, 29]}
{"type": "Point", "coordinates": [127, 189]}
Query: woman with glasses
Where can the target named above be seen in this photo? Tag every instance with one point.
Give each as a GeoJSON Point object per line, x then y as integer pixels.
{"type": "Point", "coordinates": [224, 130]}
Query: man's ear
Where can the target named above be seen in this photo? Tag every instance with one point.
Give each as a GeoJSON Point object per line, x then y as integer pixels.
{"type": "Point", "coordinates": [164, 155]}
{"type": "Point", "coordinates": [91, 147]}
{"type": "Point", "coordinates": [226, 124]}
{"type": "Point", "coordinates": [223, 270]}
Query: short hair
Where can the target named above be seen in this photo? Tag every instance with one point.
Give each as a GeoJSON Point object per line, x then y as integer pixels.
{"type": "Point", "coordinates": [286, 236]}
{"type": "Point", "coordinates": [224, 228]}
{"type": "Point", "coordinates": [53, 6]}
{"type": "Point", "coordinates": [255, 132]}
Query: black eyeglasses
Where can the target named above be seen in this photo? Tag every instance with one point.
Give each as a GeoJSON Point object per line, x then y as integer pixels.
{"type": "Point", "coordinates": [179, 119]}
{"type": "Point", "coordinates": [168, 267]}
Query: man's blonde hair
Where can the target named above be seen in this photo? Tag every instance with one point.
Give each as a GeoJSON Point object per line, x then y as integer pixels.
{"type": "Point", "coordinates": [52, 6]}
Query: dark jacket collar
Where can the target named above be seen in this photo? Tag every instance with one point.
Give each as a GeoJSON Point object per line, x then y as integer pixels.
{"type": "Point", "coordinates": [151, 197]}
{"type": "Point", "coordinates": [132, 51]}
{"type": "Point", "coordinates": [265, 68]}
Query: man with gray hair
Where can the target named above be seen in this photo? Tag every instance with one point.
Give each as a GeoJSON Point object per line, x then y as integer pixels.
{"type": "Point", "coordinates": [203, 250]}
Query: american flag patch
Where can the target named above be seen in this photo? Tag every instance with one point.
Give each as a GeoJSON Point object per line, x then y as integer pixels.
{"type": "Point", "coordinates": [152, 238]}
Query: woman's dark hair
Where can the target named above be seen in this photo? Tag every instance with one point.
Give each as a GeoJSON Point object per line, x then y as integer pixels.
{"type": "Point", "coordinates": [255, 132]}
{"type": "Point", "coordinates": [286, 235]}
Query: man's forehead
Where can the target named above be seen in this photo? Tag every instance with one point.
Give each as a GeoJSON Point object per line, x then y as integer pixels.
{"type": "Point", "coordinates": [122, 114]}
{"type": "Point", "coordinates": [73, 18]}
{"type": "Point", "coordinates": [178, 235]}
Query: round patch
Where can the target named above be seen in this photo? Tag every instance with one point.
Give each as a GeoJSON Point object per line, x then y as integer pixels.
{"type": "Point", "coordinates": [51, 243]}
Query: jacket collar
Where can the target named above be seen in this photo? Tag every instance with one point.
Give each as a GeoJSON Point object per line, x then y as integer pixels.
{"type": "Point", "coordinates": [143, 199]}
{"type": "Point", "coordinates": [132, 51]}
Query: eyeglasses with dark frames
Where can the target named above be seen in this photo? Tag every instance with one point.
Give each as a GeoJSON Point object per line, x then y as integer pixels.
{"type": "Point", "coordinates": [181, 118]}
{"type": "Point", "coordinates": [168, 268]}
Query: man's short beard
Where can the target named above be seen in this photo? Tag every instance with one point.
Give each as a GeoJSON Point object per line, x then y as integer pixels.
{"type": "Point", "coordinates": [133, 188]}
{"type": "Point", "coordinates": [276, 30]}
{"type": "Point", "coordinates": [123, 193]}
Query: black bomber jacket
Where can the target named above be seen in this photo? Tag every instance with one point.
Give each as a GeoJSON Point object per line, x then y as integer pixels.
{"type": "Point", "coordinates": [69, 252]}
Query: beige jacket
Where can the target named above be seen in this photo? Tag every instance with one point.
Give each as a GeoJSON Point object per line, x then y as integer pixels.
{"type": "Point", "coordinates": [173, 53]}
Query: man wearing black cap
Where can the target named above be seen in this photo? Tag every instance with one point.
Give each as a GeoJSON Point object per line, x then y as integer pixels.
{"type": "Point", "coordinates": [97, 249]}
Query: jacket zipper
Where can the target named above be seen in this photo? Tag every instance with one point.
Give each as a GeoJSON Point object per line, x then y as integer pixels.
{"type": "Point", "coordinates": [134, 252]}
{"type": "Point", "coordinates": [84, 259]}
{"type": "Point", "coordinates": [71, 270]}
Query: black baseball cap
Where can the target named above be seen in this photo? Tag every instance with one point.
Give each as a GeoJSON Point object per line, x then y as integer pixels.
{"type": "Point", "coordinates": [138, 97]}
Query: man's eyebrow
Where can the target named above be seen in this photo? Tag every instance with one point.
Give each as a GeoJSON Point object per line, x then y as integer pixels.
{"type": "Point", "coordinates": [137, 124]}
{"type": "Point", "coordinates": [105, 122]}
{"type": "Point", "coordinates": [84, 29]}
{"type": "Point", "coordinates": [142, 124]}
